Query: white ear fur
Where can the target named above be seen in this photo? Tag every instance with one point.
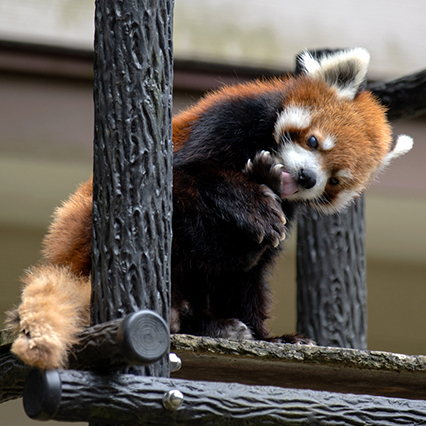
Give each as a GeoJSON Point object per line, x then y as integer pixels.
{"type": "Point", "coordinates": [403, 144]}
{"type": "Point", "coordinates": [345, 71]}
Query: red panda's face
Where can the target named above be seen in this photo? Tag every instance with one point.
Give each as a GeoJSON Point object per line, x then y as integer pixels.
{"type": "Point", "coordinates": [328, 146]}
{"type": "Point", "coordinates": [331, 141]}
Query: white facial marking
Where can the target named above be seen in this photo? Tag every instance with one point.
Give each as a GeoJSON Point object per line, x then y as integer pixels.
{"type": "Point", "coordinates": [328, 143]}
{"type": "Point", "coordinates": [294, 158]}
{"type": "Point", "coordinates": [344, 173]}
{"type": "Point", "coordinates": [292, 117]}
{"type": "Point", "coordinates": [344, 198]}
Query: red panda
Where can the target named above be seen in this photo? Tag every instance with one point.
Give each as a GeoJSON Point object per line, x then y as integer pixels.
{"type": "Point", "coordinates": [246, 159]}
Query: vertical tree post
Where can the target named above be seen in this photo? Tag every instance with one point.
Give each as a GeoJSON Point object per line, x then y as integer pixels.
{"type": "Point", "coordinates": [331, 275]}
{"type": "Point", "coordinates": [132, 179]}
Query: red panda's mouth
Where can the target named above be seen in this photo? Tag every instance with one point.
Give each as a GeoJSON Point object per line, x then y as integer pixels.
{"type": "Point", "coordinates": [289, 185]}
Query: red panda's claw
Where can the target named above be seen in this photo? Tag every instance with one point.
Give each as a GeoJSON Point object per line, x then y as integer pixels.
{"type": "Point", "coordinates": [249, 166]}
{"type": "Point", "coordinates": [265, 170]}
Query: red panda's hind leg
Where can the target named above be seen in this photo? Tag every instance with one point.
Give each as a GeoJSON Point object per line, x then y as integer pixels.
{"type": "Point", "coordinates": [55, 306]}
{"type": "Point", "coordinates": [295, 339]}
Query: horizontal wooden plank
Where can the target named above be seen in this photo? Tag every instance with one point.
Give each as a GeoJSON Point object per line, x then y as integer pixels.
{"type": "Point", "coordinates": [302, 367]}
{"type": "Point", "coordinates": [270, 364]}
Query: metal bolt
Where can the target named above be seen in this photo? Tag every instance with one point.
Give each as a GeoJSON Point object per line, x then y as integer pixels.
{"type": "Point", "coordinates": [175, 362]}
{"type": "Point", "coordinates": [172, 400]}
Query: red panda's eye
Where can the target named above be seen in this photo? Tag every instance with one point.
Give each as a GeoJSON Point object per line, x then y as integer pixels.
{"type": "Point", "coordinates": [333, 181]}
{"type": "Point", "coordinates": [312, 142]}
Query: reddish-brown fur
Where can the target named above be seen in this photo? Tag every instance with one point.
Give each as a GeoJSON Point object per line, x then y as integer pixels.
{"type": "Point", "coordinates": [69, 241]}
{"type": "Point", "coordinates": [364, 137]}
{"type": "Point", "coordinates": [55, 307]}
{"type": "Point", "coordinates": [56, 294]}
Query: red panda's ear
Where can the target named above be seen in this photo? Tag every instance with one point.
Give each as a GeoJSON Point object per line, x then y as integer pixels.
{"type": "Point", "coordinates": [344, 70]}
{"type": "Point", "coordinates": [401, 145]}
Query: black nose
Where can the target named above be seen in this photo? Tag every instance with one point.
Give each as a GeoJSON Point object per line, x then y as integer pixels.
{"type": "Point", "coordinates": [306, 178]}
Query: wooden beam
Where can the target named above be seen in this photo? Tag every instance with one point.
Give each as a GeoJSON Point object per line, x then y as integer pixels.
{"type": "Point", "coordinates": [268, 364]}
{"type": "Point", "coordinates": [302, 367]}
{"type": "Point", "coordinates": [130, 399]}
{"type": "Point", "coordinates": [405, 97]}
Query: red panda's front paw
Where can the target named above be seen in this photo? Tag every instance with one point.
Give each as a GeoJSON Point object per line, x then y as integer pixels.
{"type": "Point", "coordinates": [265, 170]}
{"type": "Point", "coordinates": [264, 222]}
{"type": "Point", "coordinates": [269, 222]}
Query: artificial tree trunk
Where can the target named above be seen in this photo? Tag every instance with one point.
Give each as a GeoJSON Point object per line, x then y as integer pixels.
{"type": "Point", "coordinates": [132, 179]}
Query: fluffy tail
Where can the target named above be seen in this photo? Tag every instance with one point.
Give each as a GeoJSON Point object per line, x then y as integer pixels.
{"type": "Point", "coordinates": [55, 306]}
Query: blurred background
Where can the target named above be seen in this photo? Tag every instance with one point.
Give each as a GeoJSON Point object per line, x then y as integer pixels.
{"type": "Point", "coordinates": [46, 130]}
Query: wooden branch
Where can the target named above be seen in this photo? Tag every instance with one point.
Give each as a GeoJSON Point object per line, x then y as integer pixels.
{"type": "Point", "coordinates": [202, 348]}
{"type": "Point", "coordinates": [85, 396]}
{"type": "Point", "coordinates": [132, 173]}
{"type": "Point", "coordinates": [405, 97]}
{"type": "Point", "coordinates": [13, 373]}
{"type": "Point", "coordinates": [142, 338]}
{"type": "Point", "coordinates": [132, 195]}
{"type": "Point", "coordinates": [270, 364]}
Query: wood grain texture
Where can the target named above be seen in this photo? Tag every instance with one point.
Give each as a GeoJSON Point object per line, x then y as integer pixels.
{"type": "Point", "coordinates": [138, 339]}
{"type": "Point", "coordinates": [132, 177]}
{"type": "Point", "coordinates": [302, 354]}
{"type": "Point", "coordinates": [405, 97]}
{"type": "Point", "coordinates": [133, 399]}
{"type": "Point", "coordinates": [268, 364]}
{"type": "Point", "coordinates": [331, 275]}
{"type": "Point", "coordinates": [132, 160]}
{"type": "Point", "coordinates": [301, 367]}
{"type": "Point", "coordinates": [13, 373]}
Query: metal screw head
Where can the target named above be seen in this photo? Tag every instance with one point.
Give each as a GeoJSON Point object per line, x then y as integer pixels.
{"type": "Point", "coordinates": [175, 362]}
{"type": "Point", "coordinates": [172, 400]}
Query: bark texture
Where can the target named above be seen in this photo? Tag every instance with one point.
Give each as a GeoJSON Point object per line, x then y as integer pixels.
{"type": "Point", "coordinates": [331, 276]}
{"type": "Point", "coordinates": [132, 160]}
{"type": "Point", "coordinates": [133, 399]}
{"type": "Point", "coordinates": [405, 97]}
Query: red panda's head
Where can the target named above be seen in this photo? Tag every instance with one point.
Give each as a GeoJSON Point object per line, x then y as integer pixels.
{"type": "Point", "coordinates": [332, 137]}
